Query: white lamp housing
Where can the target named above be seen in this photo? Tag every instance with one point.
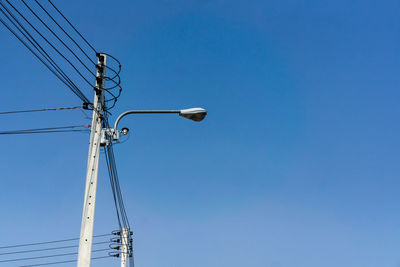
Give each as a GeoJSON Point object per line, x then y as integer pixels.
{"type": "Point", "coordinates": [194, 114]}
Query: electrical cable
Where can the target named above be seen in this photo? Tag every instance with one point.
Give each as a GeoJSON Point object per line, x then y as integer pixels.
{"type": "Point", "coordinates": [47, 130]}
{"type": "Point", "coordinates": [49, 256]}
{"type": "Point", "coordinates": [31, 39]}
{"type": "Point", "coordinates": [58, 38]}
{"type": "Point", "coordinates": [60, 262]}
{"type": "Point", "coordinates": [46, 249]}
{"type": "Point", "coordinates": [51, 64]}
{"type": "Point", "coordinates": [67, 82]}
{"type": "Point", "coordinates": [62, 55]}
{"type": "Point", "coordinates": [122, 217]}
{"type": "Point", "coordinates": [38, 110]}
{"type": "Point", "coordinates": [60, 131]}
{"type": "Point", "coordinates": [73, 26]}
{"type": "Point", "coordinates": [69, 36]}
{"type": "Point", "coordinates": [50, 242]}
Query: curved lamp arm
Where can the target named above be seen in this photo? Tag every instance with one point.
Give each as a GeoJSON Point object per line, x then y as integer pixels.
{"type": "Point", "coordinates": [142, 112]}
{"type": "Point", "coordinates": [195, 114]}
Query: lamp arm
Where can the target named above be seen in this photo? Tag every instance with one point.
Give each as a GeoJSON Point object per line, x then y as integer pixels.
{"type": "Point", "coordinates": [142, 112]}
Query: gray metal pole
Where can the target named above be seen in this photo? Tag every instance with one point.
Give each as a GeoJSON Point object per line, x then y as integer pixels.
{"type": "Point", "coordinates": [125, 237]}
{"type": "Point", "coordinates": [86, 236]}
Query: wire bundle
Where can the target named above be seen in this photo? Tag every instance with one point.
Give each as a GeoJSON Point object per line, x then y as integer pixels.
{"type": "Point", "coordinates": [46, 32]}
{"type": "Point", "coordinates": [37, 252]}
{"type": "Point", "coordinates": [47, 38]}
{"type": "Point", "coordinates": [63, 129]}
{"type": "Point", "coordinates": [123, 220]}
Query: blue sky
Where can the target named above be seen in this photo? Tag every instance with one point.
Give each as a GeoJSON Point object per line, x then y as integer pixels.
{"type": "Point", "coordinates": [295, 165]}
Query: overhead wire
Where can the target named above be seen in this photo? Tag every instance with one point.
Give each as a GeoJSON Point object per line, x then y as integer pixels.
{"type": "Point", "coordinates": [62, 29]}
{"type": "Point", "coordinates": [115, 184]}
{"type": "Point", "coordinates": [61, 262]}
{"type": "Point", "coordinates": [33, 45]}
{"type": "Point", "coordinates": [83, 38]}
{"type": "Point", "coordinates": [39, 110]}
{"type": "Point", "coordinates": [46, 249]}
{"type": "Point", "coordinates": [122, 217]}
{"type": "Point", "coordinates": [33, 39]}
{"type": "Point", "coordinates": [61, 54]}
{"type": "Point", "coordinates": [50, 242]}
{"type": "Point", "coordinates": [55, 70]}
{"type": "Point", "coordinates": [46, 57]}
{"type": "Point", "coordinates": [48, 130]}
{"type": "Point", "coordinates": [49, 256]}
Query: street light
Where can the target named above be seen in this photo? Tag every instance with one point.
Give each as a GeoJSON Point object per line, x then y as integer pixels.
{"type": "Point", "coordinates": [194, 114]}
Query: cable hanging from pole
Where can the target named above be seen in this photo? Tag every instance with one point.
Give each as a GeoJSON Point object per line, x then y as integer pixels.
{"type": "Point", "coordinates": [34, 46]}
{"type": "Point", "coordinates": [83, 38]}
{"type": "Point", "coordinates": [63, 129]}
{"type": "Point", "coordinates": [61, 262]}
{"type": "Point", "coordinates": [44, 57]}
{"type": "Point", "coordinates": [52, 248]}
{"type": "Point", "coordinates": [50, 256]}
{"type": "Point", "coordinates": [122, 217]}
{"type": "Point", "coordinates": [39, 110]}
{"type": "Point", "coordinates": [51, 242]}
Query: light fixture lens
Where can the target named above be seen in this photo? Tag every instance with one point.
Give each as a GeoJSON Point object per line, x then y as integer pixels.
{"type": "Point", "coordinates": [194, 114]}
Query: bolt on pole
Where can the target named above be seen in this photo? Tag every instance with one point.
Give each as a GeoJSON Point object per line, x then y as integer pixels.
{"type": "Point", "coordinates": [86, 236]}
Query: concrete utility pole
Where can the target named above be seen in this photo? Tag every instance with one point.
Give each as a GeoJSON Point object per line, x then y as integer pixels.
{"type": "Point", "coordinates": [125, 237]}
{"type": "Point", "coordinates": [86, 237]}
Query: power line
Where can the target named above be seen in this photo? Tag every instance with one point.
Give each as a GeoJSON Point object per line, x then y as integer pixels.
{"type": "Point", "coordinates": [62, 55]}
{"type": "Point", "coordinates": [51, 64]}
{"type": "Point", "coordinates": [47, 130]}
{"type": "Point", "coordinates": [69, 36]}
{"type": "Point", "coordinates": [49, 242]}
{"type": "Point", "coordinates": [122, 217]}
{"type": "Point", "coordinates": [60, 262]}
{"type": "Point", "coordinates": [46, 249]}
{"type": "Point", "coordinates": [50, 256]}
{"type": "Point", "coordinates": [38, 110]}
{"type": "Point", "coordinates": [86, 41]}
{"type": "Point", "coordinates": [55, 69]}
{"type": "Point", "coordinates": [58, 38]}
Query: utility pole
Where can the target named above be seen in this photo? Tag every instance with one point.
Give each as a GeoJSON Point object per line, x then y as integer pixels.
{"type": "Point", "coordinates": [125, 243]}
{"type": "Point", "coordinates": [86, 236]}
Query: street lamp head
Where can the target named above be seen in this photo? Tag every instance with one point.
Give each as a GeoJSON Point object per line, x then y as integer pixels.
{"type": "Point", "coordinates": [194, 114]}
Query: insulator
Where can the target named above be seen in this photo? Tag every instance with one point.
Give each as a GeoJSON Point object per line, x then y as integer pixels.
{"type": "Point", "coordinates": [116, 232]}
{"type": "Point", "coordinates": [115, 240]}
{"type": "Point", "coordinates": [114, 247]}
{"type": "Point", "coordinates": [113, 254]}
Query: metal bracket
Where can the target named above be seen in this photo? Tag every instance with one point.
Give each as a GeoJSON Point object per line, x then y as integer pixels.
{"type": "Point", "coordinates": [108, 132]}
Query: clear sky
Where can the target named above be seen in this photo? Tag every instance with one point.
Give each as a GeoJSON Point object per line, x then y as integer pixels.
{"type": "Point", "coordinates": [296, 165]}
